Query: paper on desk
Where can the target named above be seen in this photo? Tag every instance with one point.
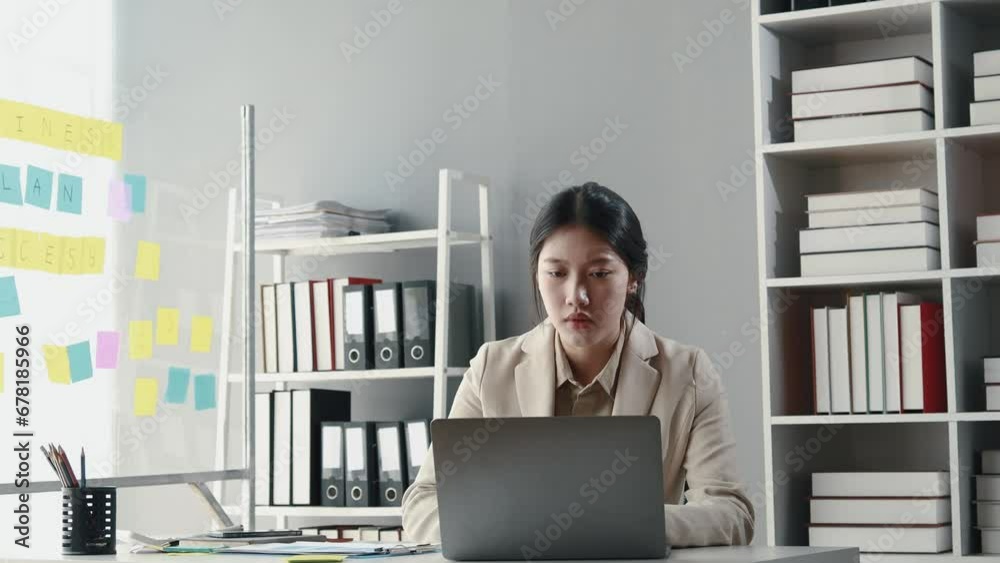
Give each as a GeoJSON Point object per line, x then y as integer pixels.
{"type": "Point", "coordinates": [342, 548]}
{"type": "Point", "coordinates": [316, 558]}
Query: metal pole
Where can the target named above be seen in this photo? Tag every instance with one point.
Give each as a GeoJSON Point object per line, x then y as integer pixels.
{"type": "Point", "coordinates": [249, 355]}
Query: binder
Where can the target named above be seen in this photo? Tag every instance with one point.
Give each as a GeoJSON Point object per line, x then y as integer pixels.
{"type": "Point", "coordinates": [304, 341]}
{"type": "Point", "coordinates": [417, 443]}
{"type": "Point", "coordinates": [338, 286]}
{"type": "Point", "coordinates": [269, 328]}
{"type": "Point", "coordinates": [331, 487]}
{"type": "Point", "coordinates": [310, 409]}
{"type": "Point", "coordinates": [281, 463]}
{"type": "Point", "coordinates": [388, 325]}
{"type": "Point", "coordinates": [358, 329]}
{"type": "Point", "coordinates": [392, 472]}
{"type": "Point", "coordinates": [324, 346]}
{"type": "Point", "coordinates": [284, 307]}
{"type": "Point", "coordinates": [419, 312]}
{"type": "Point", "coordinates": [361, 459]}
{"type": "Point", "coordinates": [262, 455]}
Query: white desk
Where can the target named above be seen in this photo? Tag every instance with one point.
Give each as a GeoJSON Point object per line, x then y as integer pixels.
{"type": "Point", "coordinates": [751, 554]}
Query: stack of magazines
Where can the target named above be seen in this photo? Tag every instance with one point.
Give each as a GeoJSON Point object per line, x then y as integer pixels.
{"type": "Point", "coordinates": [319, 219]}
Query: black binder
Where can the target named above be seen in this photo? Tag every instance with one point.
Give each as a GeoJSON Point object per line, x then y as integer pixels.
{"type": "Point", "coordinates": [418, 440]}
{"type": "Point", "coordinates": [419, 312]}
{"type": "Point", "coordinates": [361, 461]}
{"type": "Point", "coordinates": [392, 463]}
{"type": "Point", "coordinates": [310, 409]}
{"type": "Point", "coordinates": [358, 329]}
{"type": "Point", "coordinates": [388, 325]}
{"type": "Point", "coordinates": [331, 487]}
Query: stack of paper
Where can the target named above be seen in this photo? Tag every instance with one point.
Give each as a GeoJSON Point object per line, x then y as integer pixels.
{"type": "Point", "coordinates": [986, 68]}
{"type": "Point", "coordinates": [319, 219]}
{"type": "Point", "coordinates": [988, 501]}
{"type": "Point", "coordinates": [991, 377]}
{"type": "Point", "coordinates": [988, 241]}
{"type": "Point", "coordinates": [343, 548]}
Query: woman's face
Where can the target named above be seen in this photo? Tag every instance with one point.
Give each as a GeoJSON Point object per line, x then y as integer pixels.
{"type": "Point", "coordinates": [583, 283]}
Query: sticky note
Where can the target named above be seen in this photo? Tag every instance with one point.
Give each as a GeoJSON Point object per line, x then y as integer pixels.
{"type": "Point", "coordinates": [201, 334]}
{"type": "Point", "coordinates": [108, 343]}
{"type": "Point", "coordinates": [204, 392]}
{"type": "Point", "coordinates": [10, 305]}
{"type": "Point", "coordinates": [145, 396]}
{"type": "Point", "coordinates": [27, 250]}
{"type": "Point", "coordinates": [119, 201]}
{"type": "Point", "coordinates": [147, 261]}
{"type": "Point", "coordinates": [38, 187]}
{"type": "Point", "coordinates": [7, 248]}
{"type": "Point", "coordinates": [56, 362]}
{"type": "Point", "coordinates": [10, 185]}
{"type": "Point", "coordinates": [51, 253]}
{"type": "Point", "coordinates": [69, 194]}
{"type": "Point", "coordinates": [167, 324]}
{"type": "Point", "coordinates": [80, 366]}
{"type": "Point", "coordinates": [137, 191]}
{"type": "Point", "coordinates": [177, 385]}
{"type": "Point", "coordinates": [140, 340]}
{"type": "Point", "coordinates": [72, 255]}
{"type": "Point", "coordinates": [93, 255]}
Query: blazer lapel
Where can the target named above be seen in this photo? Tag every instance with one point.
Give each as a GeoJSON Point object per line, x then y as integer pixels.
{"type": "Point", "coordinates": [535, 376]}
{"type": "Point", "coordinates": [637, 380]}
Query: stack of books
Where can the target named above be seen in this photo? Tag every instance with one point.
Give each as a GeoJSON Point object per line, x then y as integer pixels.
{"type": "Point", "coordinates": [867, 232]}
{"type": "Point", "coordinates": [883, 353]}
{"type": "Point", "coordinates": [988, 501]}
{"type": "Point", "coordinates": [988, 241]}
{"type": "Point", "coordinates": [863, 99]}
{"type": "Point", "coordinates": [991, 378]}
{"type": "Point", "coordinates": [986, 87]}
{"type": "Point", "coordinates": [319, 219]}
{"type": "Point", "coordinates": [883, 512]}
{"type": "Point", "coordinates": [355, 532]}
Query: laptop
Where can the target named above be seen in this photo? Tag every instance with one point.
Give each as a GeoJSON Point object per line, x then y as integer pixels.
{"type": "Point", "coordinates": [550, 488]}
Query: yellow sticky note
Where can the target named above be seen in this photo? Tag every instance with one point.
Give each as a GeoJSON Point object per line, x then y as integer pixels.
{"type": "Point", "coordinates": [27, 250]}
{"type": "Point", "coordinates": [93, 255]}
{"type": "Point", "coordinates": [57, 363]}
{"type": "Point", "coordinates": [7, 247]}
{"type": "Point", "coordinates": [51, 253]}
{"type": "Point", "coordinates": [145, 396]}
{"type": "Point", "coordinates": [72, 255]}
{"type": "Point", "coordinates": [140, 340]}
{"type": "Point", "coordinates": [201, 334]}
{"type": "Point", "coordinates": [167, 324]}
{"type": "Point", "coordinates": [147, 261]}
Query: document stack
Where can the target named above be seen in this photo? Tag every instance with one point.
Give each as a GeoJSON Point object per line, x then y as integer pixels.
{"type": "Point", "coordinates": [988, 241]}
{"type": "Point", "coordinates": [882, 353]}
{"type": "Point", "coordinates": [868, 232]}
{"type": "Point", "coordinates": [988, 501]}
{"type": "Point", "coordinates": [863, 99]}
{"type": "Point", "coordinates": [986, 86]}
{"type": "Point", "coordinates": [359, 532]}
{"type": "Point", "coordinates": [882, 512]}
{"type": "Point", "coordinates": [318, 219]}
{"type": "Point", "coordinates": [991, 377]}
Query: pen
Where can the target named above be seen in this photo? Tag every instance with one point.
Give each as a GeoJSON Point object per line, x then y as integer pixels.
{"type": "Point", "coordinates": [83, 468]}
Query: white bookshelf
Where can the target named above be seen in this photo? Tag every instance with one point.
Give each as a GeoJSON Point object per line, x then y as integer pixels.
{"type": "Point", "coordinates": [962, 164]}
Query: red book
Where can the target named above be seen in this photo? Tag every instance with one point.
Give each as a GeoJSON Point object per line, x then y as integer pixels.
{"type": "Point", "coordinates": [922, 357]}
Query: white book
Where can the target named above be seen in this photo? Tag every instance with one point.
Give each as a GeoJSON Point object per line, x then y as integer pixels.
{"type": "Point", "coordinates": [859, 357]}
{"type": "Point", "coordinates": [262, 449]}
{"type": "Point", "coordinates": [987, 487]}
{"type": "Point", "coordinates": [988, 227]}
{"type": "Point", "coordinates": [891, 303]}
{"type": "Point", "coordinates": [860, 75]}
{"type": "Point", "coordinates": [868, 539]}
{"type": "Point", "coordinates": [821, 360]}
{"type": "Point", "coordinates": [916, 510]}
{"type": "Point", "coordinates": [323, 325]}
{"type": "Point", "coordinates": [991, 370]}
{"type": "Point", "coordinates": [912, 368]}
{"type": "Point", "coordinates": [881, 484]}
{"type": "Point", "coordinates": [878, 215]}
{"type": "Point", "coordinates": [871, 199]}
{"type": "Point", "coordinates": [871, 237]}
{"type": "Point", "coordinates": [281, 466]}
{"type": "Point", "coordinates": [876, 357]}
{"type": "Point", "coordinates": [986, 88]}
{"type": "Point", "coordinates": [986, 62]}
{"type": "Point", "coordinates": [990, 540]}
{"type": "Point", "coordinates": [991, 462]}
{"type": "Point", "coordinates": [302, 450]}
{"type": "Point", "coordinates": [269, 328]}
{"type": "Point", "coordinates": [993, 399]}
{"type": "Point", "coordinates": [984, 113]}
{"type": "Point", "coordinates": [987, 513]}
{"type": "Point", "coordinates": [871, 262]}
{"type": "Point", "coordinates": [285, 314]}
{"type": "Point", "coordinates": [987, 254]}
{"type": "Point", "coordinates": [896, 97]}
{"type": "Point", "coordinates": [868, 125]}
{"type": "Point", "coordinates": [303, 327]}
{"type": "Point", "coordinates": [840, 361]}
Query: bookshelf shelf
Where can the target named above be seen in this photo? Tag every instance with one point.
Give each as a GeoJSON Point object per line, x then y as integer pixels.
{"type": "Point", "coordinates": [853, 21]}
{"type": "Point", "coordinates": [362, 244]}
{"type": "Point", "coordinates": [346, 375]}
{"type": "Point", "coordinates": [330, 511]}
{"type": "Point", "coordinates": [858, 150]}
{"type": "Point", "coordinates": [903, 279]}
{"type": "Point", "coordinates": [859, 419]}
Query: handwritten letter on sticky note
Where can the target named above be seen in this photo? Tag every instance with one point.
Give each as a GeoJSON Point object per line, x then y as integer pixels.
{"type": "Point", "coordinates": [38, 187]}
{"type": "Point", "coordinates": [167, 324]}
{"type": "Point", "coordinates": [69, 196]}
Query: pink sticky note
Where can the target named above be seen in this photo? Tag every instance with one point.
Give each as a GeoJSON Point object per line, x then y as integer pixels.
{"type": "Point", "coordinates": [107, 349]}
{"type": "Point", "coordinates": [119, 201]}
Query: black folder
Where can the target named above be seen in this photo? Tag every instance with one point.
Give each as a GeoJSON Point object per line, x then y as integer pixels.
{"type": "Point", "coordinates": [392, 463]}
{"type": "Point", "coordinates": [419, 312]}
{"type": "Point", "coordinates": [331, 487]}
{"type": "Point", "coordinates": [358, 329]}
{"type": "Point", "coordinates": [310, 409]}
{"type": "Point", "coordinates": [388, 325]}
{"type": "Point", "coordinates": [418, 439]}
{"type": "Point", "coordinates": [361, 461]}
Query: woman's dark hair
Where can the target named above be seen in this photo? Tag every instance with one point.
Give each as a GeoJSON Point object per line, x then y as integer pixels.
{"type": "Point", "coordinates": [607, 215]}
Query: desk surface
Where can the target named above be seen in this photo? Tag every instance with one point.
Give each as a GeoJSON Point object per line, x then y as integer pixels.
{"type": "Point", "coordinates": [751, 554]}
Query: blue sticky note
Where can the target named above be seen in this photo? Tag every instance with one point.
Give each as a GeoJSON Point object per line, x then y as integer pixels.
{"type": "Point", "coordinates": [69, 194]}
{"type": "Point", "coordinates": [177, 385]}
{"type": "Point", "coordinates": [38, 187]}
{"type": "Point", "coordinates": [10, 184]}
{"type": "Point", "coordinates": [9, 303]}
{"type": "Point", "coordinates": [137, 184]}
{"type": "Point", "coordinates": [204, 392]}
{"type": "Point", "coordinates": [80, 366]}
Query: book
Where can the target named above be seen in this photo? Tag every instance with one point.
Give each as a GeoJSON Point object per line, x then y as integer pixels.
{"type": "Point", "coordinates": [866, 125]}
{"type": "Point", "coordinates": [984, 113]}
{"type": "Point", "coordinates": [875, 215]}
{"type": "Point", "coordinates": [988, 227]}
{"type": "Point", "coordinates": [872, 199]}
{"type": "Point", "coordinates": [269, 328]}
{"type": "Point", "coordinates": [821, 361]}
{"type": "Point", "coordinates": [863, 74]}
{"type": "Point", "coordinates": [987, 487]}
{"type": "Point", "coordinates": [991, 371]}
{"type": "Point", "coordinates": [870, 539]}
{"type": "Point", "coordinates": [303, 318]}
{"type": "Point", "coordinates": [859, 354]}
{"type": "Point", "coordinates": [922, 367]}
{"type": "Point", "coordinates": [990, 539]}
{"type": "Point", "coordinates": [285, 318]}
{"type": "Point", "coordinates": [323, 325]}
{"type": "Point", "coordinates": [881, 484]}
{"type": "Point", "coordinates": [986, 62]}
{"type": "Point", "coordinates": [891, 303]}
{"type": "Point", "coordinates": [912, 510]}
{"type": "Point", "coordinates": [993, 398]}
{"type": "Point", "coordinates": [840, 361]}
{"type": "Point", "coordinates": [986, 88]}
{"type": "Point", "coordinates": [876, 352]}
{"type": "Point", "coordinates": [987, 513]}
{"type": "Point", "coordinates": [896, 97]}
{"type": "Point", "coordinates": [987, 253]}
{"type": "Point", "coordinates": [870, 262]}
{"type": "Point", "coordinates": [871, 237]}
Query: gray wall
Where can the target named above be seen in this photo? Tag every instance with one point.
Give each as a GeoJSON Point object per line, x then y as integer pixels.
{"type": "Point", "coordinates": [563, 71]}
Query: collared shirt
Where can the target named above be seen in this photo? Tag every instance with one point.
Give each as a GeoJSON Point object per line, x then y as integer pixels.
{"type": "Point", "coordinates": [594, 399]}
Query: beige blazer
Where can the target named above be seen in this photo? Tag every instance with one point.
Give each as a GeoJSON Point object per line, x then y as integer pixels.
{"type": "Point", "coordinates": [677, 383]}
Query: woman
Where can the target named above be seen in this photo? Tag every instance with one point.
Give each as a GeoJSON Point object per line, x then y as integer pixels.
{"type": "Point", "coordinates": [593, 356]}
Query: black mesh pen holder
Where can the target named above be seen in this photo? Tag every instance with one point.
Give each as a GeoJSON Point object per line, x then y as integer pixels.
{"type": "Point", "coordinates": [88, 521]}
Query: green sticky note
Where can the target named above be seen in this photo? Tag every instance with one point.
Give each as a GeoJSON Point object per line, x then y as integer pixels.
{"type": "Point", "coordinates": [69, 197]}
{"type": "Point", "coordinates": [204, 392]}
{"type": "Point", "coordinates": [10, 185]}
{"type": "Point", "coordinates": [38, 187]}
{"type": "Point", "coordinates": [177, 385]}
{"type": "Point", "coordinates": [137, 185]}
{"type": "Point", "coordinates": [80, 366]}
{"type": "Point", "coordinates": [10, 305]}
